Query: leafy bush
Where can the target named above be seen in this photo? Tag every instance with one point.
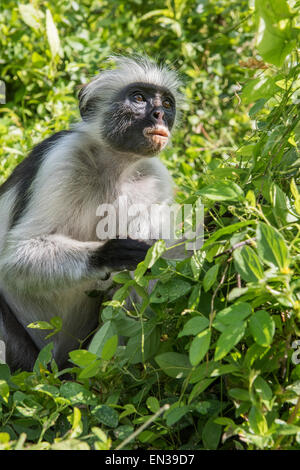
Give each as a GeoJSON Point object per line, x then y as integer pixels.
{"type": "Point", "coordinates": [210, 357]}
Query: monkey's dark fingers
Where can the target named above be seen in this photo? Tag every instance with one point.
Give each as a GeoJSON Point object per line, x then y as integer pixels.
{"type": "Point", "coordinates": [120, 254]}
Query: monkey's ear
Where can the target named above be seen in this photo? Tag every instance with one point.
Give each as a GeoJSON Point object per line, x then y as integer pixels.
{"type": "Point", "coordinates": [82, 107]}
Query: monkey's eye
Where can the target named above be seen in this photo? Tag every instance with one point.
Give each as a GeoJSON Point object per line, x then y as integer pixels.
{"type": "Point", "coordinates": [139, 98]}
{"type": "Point", "coordinates": [167, 104]}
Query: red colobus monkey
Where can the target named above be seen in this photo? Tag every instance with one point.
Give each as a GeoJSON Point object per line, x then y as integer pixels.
{"type": "Point", "coordinates": [50, 255]}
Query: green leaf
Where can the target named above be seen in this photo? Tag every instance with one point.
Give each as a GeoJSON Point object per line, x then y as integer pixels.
{"type": "Point", "coordinates": [109, 348]}
{"type": "Point", "coordinates": [153, 404]}
{"type": "Point", "coordinates": [210, 277]}
{"type": "Point", "coordinates": [274, 31]}
{"type": "Point", "coordinates": [239, 394]}
{"type": "Point", "coordinates": [77, 394]}
{"type": "Point", "coordinates": [263, 389]}
{"type": "Point", "coordinates": [175, 414]}
{"type": "Point", "coordinates": [4, 390]}
{"type": "Point", "coordinates": [41, 325]}
{"type": "Point", "coordinates": [222, 191]}
{"type": "Point", "coordinates": [44, 358]}
{"type": "Point", "coordinates": [90, 370]}
{"type": "Point", "coordinates": [262, 327]}
{"type": "Point", "coordinates": [106, 331]}
{"type": "Point", "coordinates": [174, 364]}
{"type": "Point", "coordinates": [280, 203]}
{"type": "Point", "coordinates": [199, 388]}
{"type": "Point", "coordinates": [231, 315]}
{"type": "Point", "coordinates": [106, 415]}
{"type": "Point", "coordinates": [153, 254]}
{"type": "Point", "coordinates": [194, 326]}
{"type": "Point", "coordinates": [272, 247]}
{"type": "Point", "coordinates": [122, 277]}
{"type": "Point", "coordinates": [228, 339]}
{"type": "Point", "coordinates": [259, 88]}
{"type": "Point", "coordinates": [199, 347]}
{"type": "Point", "coordinates": [169, 291]}
{"type": "Point", "coordinates": [257, 421]}
{"type": "Point", "coordinates": [144, 345]}
{"type": "Point", "coordinates": [82, 357]}
{"type": "Point", "coordinates": [247, 264]}
{"type": "Point", "coordinates": [211, 434]}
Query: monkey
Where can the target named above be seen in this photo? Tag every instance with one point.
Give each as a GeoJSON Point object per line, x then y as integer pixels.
{"type": "Point", "coordinates": [50, 254]}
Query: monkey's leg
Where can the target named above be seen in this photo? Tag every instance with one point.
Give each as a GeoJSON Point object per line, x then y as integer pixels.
{"type": "Point", "coordinates": [21, 352]}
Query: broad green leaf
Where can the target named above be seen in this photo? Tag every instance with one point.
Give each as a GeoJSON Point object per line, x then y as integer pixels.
{"type": "Point", "coordinates": [122, 277]}
{"type": "Point", "coordinates": [49, 390]}
{"type": "Point", "coordinates": [153, 404]}
{"type": "Point", "coordinates": [82, 357]}
{"type": "Point", "coordinates": [109, 348]}
{"type": "Point", "coordinates": [106, 415]}
{"type": "Point", "coordinates": [239, 394]}
{"type": "Point", "coordinates": [247, 264]}
{"type": "Point", "coordinates": [272, 247]}
{"type": "Point", "coordinates": [175, 414]}
{"type": "Point", "coordinates": [228, 339]}
{"type": "Point", "coordinates": [273, 10]}
{"type": "Point", "coordinates": [285, 429]}
{"type": "Point", "coordinates": [194, 326]}
{"type": "Point", "coordinates": [262, 327]}
{"type": "Point", "coordinates": [169, 291]}
{"type": "Point", "coordinates": [106, 331]}
{"type": "Point", "coordinates": [210, 277]}
{"type": "Point", "coordinates": [211, 434]}
{"type": "Point", "coordinates": [144, 345]}
{"type": "Point", "coordinates": [199, 388]}
{"type": "Point", "coordinates": [44, 358]}
{"type": "Point", "coordinates": [257, 421]}
{"type": "Point", "coordinates": [78, 394]}
{"type": "Point", "coordinates": [199, 347]}
{"type": "Point", "coordinates": [231, 315]}
{"type": "Point", "coordinates": [222, 191]}
{"type": "Point", "coordinates": [259, 88]}
{"type": "Point", "coordinates": [279, 203]}
{"type": "Point", "coordinates": [274, 42]}
{"type": "Point", "coordinates": [174, 364]}
{"type": "Point", "coordinates": [262, 388]}
{"type": "Point", "coordinates": [91, 370]}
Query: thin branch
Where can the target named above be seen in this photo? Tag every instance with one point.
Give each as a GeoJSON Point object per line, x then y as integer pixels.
{"type": "Point", "coordinates": [234, 247]}
{"type": "Point", "coordinates": [144, 426]}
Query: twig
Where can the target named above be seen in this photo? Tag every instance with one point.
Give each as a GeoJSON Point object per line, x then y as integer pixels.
{"type": "Point", "coordinates": [234, 247]}
{"type": "Point", "coordinates": [144, 426]}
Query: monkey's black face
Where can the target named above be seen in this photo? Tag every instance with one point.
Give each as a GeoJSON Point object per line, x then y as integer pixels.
{"type": "Point", "coordinates": [140, 119]}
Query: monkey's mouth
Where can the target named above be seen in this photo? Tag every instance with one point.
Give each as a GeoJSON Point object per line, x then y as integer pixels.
{"type": "Point", "coordinates": [158, 136]}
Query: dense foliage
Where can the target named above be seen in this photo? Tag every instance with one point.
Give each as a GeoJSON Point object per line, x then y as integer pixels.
{"type": "Point", "coordinates": [210, 358]}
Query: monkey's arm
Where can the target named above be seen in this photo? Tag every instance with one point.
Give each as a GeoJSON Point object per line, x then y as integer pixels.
{"type": "Point", "coordinates": [52, 262]}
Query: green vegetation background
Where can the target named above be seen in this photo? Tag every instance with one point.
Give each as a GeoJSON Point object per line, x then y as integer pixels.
{"type": "Point", "coordinates": [211, 357]}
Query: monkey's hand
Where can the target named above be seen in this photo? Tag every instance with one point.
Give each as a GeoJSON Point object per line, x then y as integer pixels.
{"type": "Point", "coordinates": [119, 254]}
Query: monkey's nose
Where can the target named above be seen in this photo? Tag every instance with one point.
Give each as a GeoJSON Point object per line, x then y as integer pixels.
{"type": "Point", "coordinates": [158, 115]}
